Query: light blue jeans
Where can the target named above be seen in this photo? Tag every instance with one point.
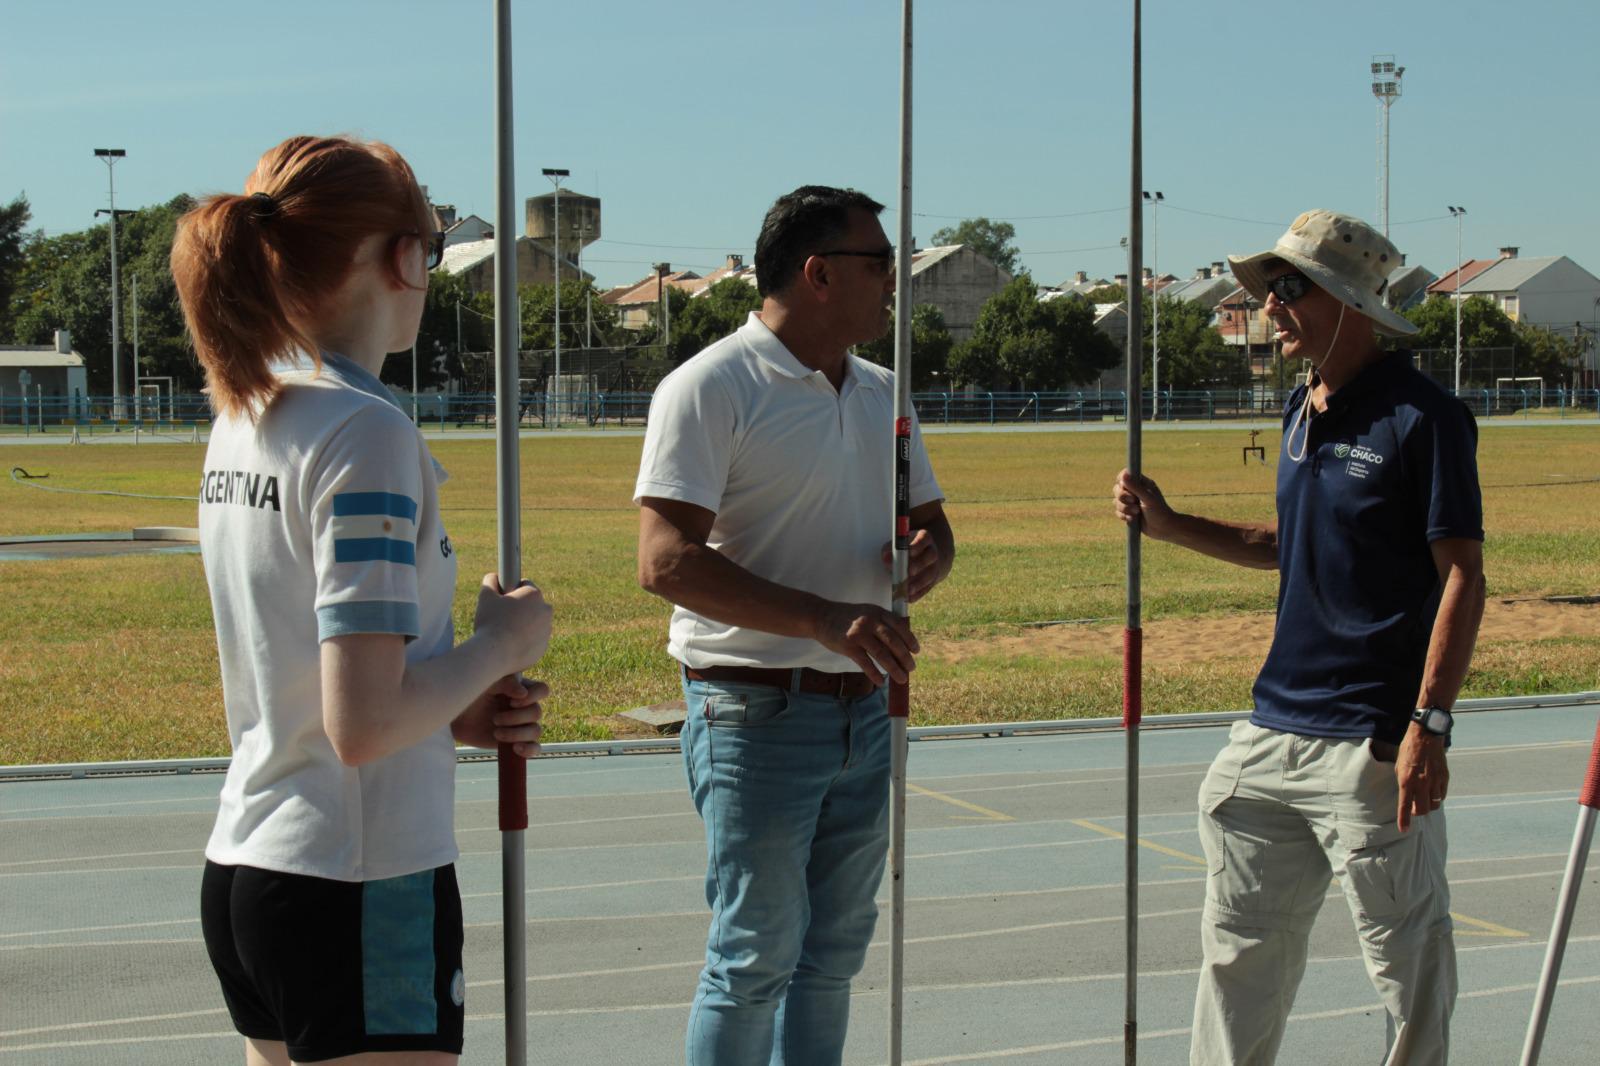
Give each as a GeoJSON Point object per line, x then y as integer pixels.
{"type": "Point", "coordinates": [794, 792]}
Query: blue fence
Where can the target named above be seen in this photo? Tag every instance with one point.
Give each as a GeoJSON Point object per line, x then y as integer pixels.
{"type": "Point", "coordinates": [458, 411]}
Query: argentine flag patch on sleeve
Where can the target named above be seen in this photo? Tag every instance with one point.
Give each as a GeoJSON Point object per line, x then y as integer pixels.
{"type": "Point", "coordinates": [374, 527]}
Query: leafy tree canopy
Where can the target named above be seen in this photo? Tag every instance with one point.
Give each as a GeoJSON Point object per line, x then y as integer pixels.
{"type": "Point", "coordinates": [931, 345]}
{"type": "Point", "coordinates": [702, 321]}
{"type": "Point", "coordinates": [1193, 353]}
{"type": "Point", "coordinates": [993, 239]}
{"type": "Point", "coordinates": [1019, 341]}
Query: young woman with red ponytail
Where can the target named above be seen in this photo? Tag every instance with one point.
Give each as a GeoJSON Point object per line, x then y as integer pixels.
{"type": "Point", "coordinates": [329, 900]}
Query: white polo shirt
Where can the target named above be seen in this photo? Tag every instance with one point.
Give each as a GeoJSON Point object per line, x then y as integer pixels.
{"type": "Point", "coordinates": [323, 519]}
{"type": "Point", "coordinates": [800, 476]}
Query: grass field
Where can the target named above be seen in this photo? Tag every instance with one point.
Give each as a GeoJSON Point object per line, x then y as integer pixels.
{"type": "Point", "coordinates": [114, 658]}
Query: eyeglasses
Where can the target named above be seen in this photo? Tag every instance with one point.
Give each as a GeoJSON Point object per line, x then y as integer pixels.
{"type": "Point", "coordinates": [1289, 287]}
{"type": "Point", "coordinates": [433, 249]}
{"type": "Point", "coordinates": [884, 258]}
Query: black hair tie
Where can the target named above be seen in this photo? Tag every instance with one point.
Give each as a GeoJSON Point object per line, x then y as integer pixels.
{"type": "Point", "coordinates": [262, 206]}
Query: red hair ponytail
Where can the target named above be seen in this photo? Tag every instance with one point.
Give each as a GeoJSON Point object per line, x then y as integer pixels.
{"type": "Point", "coordinates": [255, 272]}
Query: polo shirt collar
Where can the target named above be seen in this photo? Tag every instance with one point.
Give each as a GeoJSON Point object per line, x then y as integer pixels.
{"type": "Point", "coordinates": [1372, 378]}
{"type": "Point", "coordinates": [340, 368]}
{"type": "Point", "coordinates": [772, 351]}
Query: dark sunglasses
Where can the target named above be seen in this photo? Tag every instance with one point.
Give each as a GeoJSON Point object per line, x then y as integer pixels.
{"type": "Point", "coordinates": [1289, 287]}
{"type": "Point", "coordinates": [884, 258]}
{"type": "Point", "coordinates": [433, 249]}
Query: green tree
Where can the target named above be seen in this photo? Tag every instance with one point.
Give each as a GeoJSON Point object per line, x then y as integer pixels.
{"type": "Point", "coordinates": [1022, 342]}
{"type": "Point", "coordinates": [579, 299]}
{"type": "Point", "coordinates": [931, 345]}
{"type": "Point", "coordinates": [709, 317]}
{"type": "Point", "coordinates": [1193, 353]}
{"type": "Point", "coordinates": [1547, 354]}
{"type": "Point", "coordinates": [14, 219]}
{"type": "Point", "coordinates": [993, 239]}
{"type": "Point", "coordinates": [64, 282]}
{"type": "Point", "coordinates": [1483, 325]}
{"type": "Point", "coordinates": [677, 307]}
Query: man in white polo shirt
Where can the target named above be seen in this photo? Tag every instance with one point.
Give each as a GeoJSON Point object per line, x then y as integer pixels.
{"type": "Point", "coordinates": [766, 498]}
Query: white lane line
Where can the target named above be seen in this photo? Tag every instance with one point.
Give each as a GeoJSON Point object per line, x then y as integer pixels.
{"type": "Point", "coordinates": [683, 1005]}
{"type": "Point", "coordinates": [97, 858]}
{"type": "Point", "coordinates": [584, 821]}
{"type": "Point", "coordinates": [1166, 1034]}
{"type": "Point", "coordinates": [100, 929]}
{"type": "Point", "coordinates": [139, 1020]}
{"type": "Point", "coordinates": [211, 800]}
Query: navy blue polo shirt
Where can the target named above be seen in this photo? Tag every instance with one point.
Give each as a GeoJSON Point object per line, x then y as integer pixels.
{"type": "Point", "coordinates": [1389, 467]}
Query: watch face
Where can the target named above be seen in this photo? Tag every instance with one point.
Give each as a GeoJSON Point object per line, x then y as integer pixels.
{"type": "Point", "coordinates": [1436, 720]}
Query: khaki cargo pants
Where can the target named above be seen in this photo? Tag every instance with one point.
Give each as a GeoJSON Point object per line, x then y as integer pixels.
{"type": "Point", "coordinates": [1280, 816]}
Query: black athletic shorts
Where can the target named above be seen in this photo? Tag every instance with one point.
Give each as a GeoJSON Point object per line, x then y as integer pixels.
{"type": "Point", "coordinates": [336, 968]}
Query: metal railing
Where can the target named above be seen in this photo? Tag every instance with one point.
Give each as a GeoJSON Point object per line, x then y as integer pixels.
{"type": "Point", "coordinates": [184, 413]}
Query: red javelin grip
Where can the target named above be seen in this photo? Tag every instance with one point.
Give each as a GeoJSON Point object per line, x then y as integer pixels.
{"type": "Point", "coordinates": [513, 790]}
{"type": "Point", "coordinates": [1590, 796]}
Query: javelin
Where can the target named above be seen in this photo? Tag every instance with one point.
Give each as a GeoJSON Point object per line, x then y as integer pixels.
{"type": "Point", "coordinates": [1133, 636]}
{"type": "Point", "coordinates": [513, 769]}
{"type": "Point", "coordinates": [1577, 860]}
{"type": "Point", "coordinates": [900, 694]}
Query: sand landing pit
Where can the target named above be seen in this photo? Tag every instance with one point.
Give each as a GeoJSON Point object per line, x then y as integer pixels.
{"type": "Point", "coordinates": [142, 540]}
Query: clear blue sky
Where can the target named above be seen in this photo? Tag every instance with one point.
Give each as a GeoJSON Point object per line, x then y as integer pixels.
{"type": "Point", "coordinates": [688, 119]}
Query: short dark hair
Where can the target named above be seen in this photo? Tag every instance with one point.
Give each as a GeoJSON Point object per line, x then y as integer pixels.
{"type": "Point", "coordinates": [798, 226]}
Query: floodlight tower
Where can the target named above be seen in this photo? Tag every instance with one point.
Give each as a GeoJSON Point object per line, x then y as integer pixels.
{"type": "Point", "coordinates": [1386, 87]}
{"type": "Point", "coordinates": [1458, 213]}
{"type": "Point", "coordinates": [1154, 200]}
{"type": "Point", "coordinates": [555, 175]}
{"type": "Point", "coordinates": [110, 157]}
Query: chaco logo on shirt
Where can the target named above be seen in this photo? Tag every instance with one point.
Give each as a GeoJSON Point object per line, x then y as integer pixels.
{"type": "Point", "coordinates": [240, 487]}
{"type": "Point", "coordinates": [1360, 457]}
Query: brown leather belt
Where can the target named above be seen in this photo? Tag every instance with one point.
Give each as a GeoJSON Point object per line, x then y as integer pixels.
{"type": "Point", "coordinates": [819, 682]}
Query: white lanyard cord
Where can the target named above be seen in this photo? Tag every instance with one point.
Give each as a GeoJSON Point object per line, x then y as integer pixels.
{"type": "Point", "coordinates": [1300, 420]}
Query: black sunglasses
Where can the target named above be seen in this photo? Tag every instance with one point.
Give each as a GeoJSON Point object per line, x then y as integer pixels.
{"type": "Point", "coordinates": [885, 255]}
{"type": "Point", "coordinates": [884, 258]}
{"type": "Point", "coordinates": [1289, 287]}
{"type": "Point", "coordinates": [433, 248]}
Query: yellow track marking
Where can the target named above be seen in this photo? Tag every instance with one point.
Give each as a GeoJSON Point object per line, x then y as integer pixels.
{"type": "Point", "coordinates": [1483, 928]}
{"type": "Point", "coordinates": [987, 814]}
{"type": "Point", "coordinates": [1143, 843]}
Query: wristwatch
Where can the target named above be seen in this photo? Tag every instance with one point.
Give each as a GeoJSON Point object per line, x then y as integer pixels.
{"type": "Point", "coordinates": [1434, 720]}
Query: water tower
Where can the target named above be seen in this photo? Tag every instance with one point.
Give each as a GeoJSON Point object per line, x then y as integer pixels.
{"type": "Point", "coordinates": [580, 222]}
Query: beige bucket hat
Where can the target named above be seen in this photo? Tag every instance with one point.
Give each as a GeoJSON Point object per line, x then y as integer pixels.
{"type": "Point", "coordinates": [1343, 256]}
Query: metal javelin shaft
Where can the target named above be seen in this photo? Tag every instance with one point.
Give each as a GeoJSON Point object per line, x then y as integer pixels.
{"type": "Point", "coordinates": [1133, 635]}
{"type": "Point", "coordinates": [1566, 904]}
{"type": "Point", "coordinates": [900, 695]}
{"type": "Point", "coordinates": [508, 480]}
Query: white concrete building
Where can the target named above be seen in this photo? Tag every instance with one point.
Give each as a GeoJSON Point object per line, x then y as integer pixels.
{"type": "Point", "coordinates": [52, 371]}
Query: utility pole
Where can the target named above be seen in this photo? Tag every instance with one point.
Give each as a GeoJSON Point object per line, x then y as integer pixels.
{"type": "Point", "coordinates": [662, 270]}
{"type": "Point", "coordinates": [137, 400]}
{"type": "Point", "coordinates": [110, 157]}
{"type": "Point", "coordinates": [1458, 213]}
{"type": "Point", "coordinates": [1386, 87]}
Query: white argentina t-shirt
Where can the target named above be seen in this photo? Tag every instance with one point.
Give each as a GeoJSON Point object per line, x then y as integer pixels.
{"type": "Point", "coordinates": [322, 519]}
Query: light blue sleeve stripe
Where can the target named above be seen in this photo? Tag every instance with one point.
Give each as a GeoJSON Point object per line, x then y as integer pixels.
{"type": "Point", "coordinates": [397, 966]}
{"type": "Point", "coordinates": [374, 549]}
{"type": "Point", "coordinates": [380, 503]}
{"type": "Point", "coordinates": [367, 616]}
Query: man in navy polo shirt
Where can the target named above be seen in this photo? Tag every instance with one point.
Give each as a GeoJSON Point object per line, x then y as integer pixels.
{"type": "Point", "coordinates": [1340, 771]}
